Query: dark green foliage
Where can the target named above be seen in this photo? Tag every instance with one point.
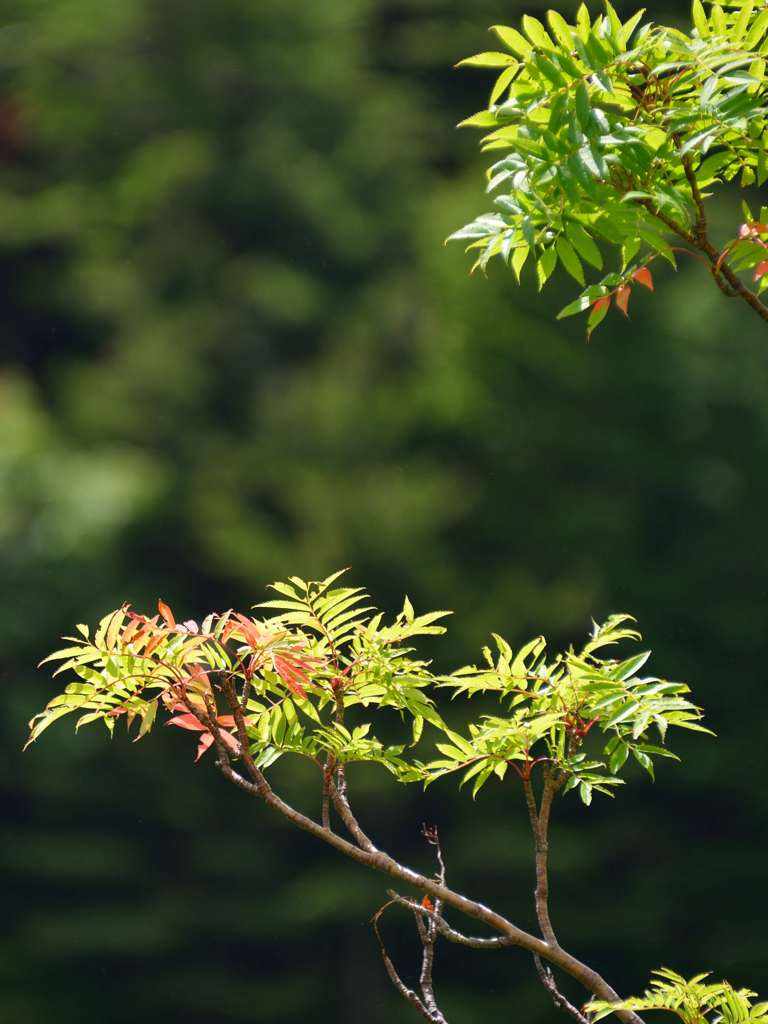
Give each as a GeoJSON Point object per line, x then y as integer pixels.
{"type": "Point", "coordinates": [613, 134]}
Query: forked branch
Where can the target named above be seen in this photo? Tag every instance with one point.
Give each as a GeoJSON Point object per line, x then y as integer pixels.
{"type": "Point", "coordinates": [258, 786]}
{"type": "Point", "coordinates": [424, 1004]}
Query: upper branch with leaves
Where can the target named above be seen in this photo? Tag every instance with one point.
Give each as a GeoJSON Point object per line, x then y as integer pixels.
{"type": "Point", "coordinates": [610, 135]}
{"type": "Point", "coordinates": [310, 677]}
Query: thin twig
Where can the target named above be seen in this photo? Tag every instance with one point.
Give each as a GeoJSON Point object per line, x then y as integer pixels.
{"type": "Point", "coordinates": [430, 1013]}
{"type": "Point", "coordinates": [442, 926]}
{"type": "Point", "coordinates": [428, 932]}
{"type": "Point", "coordinates": [560, 1001]}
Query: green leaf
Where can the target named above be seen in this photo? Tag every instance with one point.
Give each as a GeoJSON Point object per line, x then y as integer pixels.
{"type": "Point", "coordinates": [643, 760]}
{"type": "Point", "coordinates": [584, 244]}
{"type": "Point", "coordinates": [583, 22]}
{"type": "Point", "coordinates": [417, 728]}
{"type": "Point", "coordinates": [512, 39]}
{"type": "Point", "coordinates": [757, 31]}
{"type": "Point", "coordinates": [488, 59]}
{"type": "Point", "coordinates": [519, 256]}
{"type": "Point", "coordinates": [629, 26]}
{"type": "Point", "coordinates": [584, 301]}
{"type": "Point", "coordinates": [482, 119]}
{"type": "Point", "coordinates": [717, 20]}
{"type": "Point", "coordinates": [700, 19]}
{"type": "Point", "coordinates": [583, 109]}
{"type": "Point", "coordinates": [545, 265]}
{"type": "Point", "coordinates": [536, 32]}
{"type": "Point", "coordinates": [560, 28]}
{"type": "Point", "coordinates": [569, 259]}
{"type": "Point", "coordinates": [739, 29]}
{"type": "Point", "coordinates": [502, 82]}
{"type": "Point", "coordinates": [618, 757]}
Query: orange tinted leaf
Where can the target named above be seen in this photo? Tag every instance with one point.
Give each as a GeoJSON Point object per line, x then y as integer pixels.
{"type": "Point", "coordinates": [132, 628]}
{"type": "Point", "coordinates": [153, 644]}
{"type": "Point", "coordinates": [598, 313]}
{"type": "Point", "coordinates": [167, 614]}
{"type": "Point", "coordinates": [243, 629]}
{"type": "Point", "coordinates": [622, 298]}
{"type": "Point", "coordinates": [228, 630]}
{"type": "Point", "coordinates": [761, 269]}
{"type": "Point", "coordinates": [198, 679]}
{"type": "Point", "coordinates": [206, 740]}
{"type": "Point", "coordinates": [186, 721]}
{"type": "Point", "coordinates": [293, 673]}
{"type": "Point", "coordinates": [643, 277]}
{"type": "Point", "coordinates": [427, 903]}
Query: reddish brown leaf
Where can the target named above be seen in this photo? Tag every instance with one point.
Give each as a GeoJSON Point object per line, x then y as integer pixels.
{"type": "Point", "coordinates": [643, 277]}
{"type": "Point", "coordinates": [243, 629]}
{"type": "Point", "coordinates": [427, 903]}
{"type": "Point", "coordinates": [292, 672]}
{"type": "Point", "coordinates": [761, 269]}
{"type": "Point", "coordinates": [153, 644]}
{"type": "Point", "coordinates": [186, 721]}
{"type": "Point", "coordinates": [253, 635]}
{"type": "Point", "coordinates": [132, 628]}
{"type": "Point", "coordinates": [622, 298]}
{"type": "Point", "coordinates": [199, 680]}
{"type": "Point", "coordinates": [206, 740]}
{"type": "Point", "coordinates": [167, 614]}
{"type": "Point", "coordinates": [147, 630]}
{"type": "Point", "coordinates": [228, 630]}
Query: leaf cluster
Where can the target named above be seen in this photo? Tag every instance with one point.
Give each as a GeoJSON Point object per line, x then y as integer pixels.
{"type": "Point", "coordinates": [694, 1001]}
{"type": "Point", "coordinates": [608, 135]}
{"type": "Point", "coordinates": [295, 674]}
{"type": "Point", "coordinates": [309, 678]}
{"type": "Point", "coordinates": [555, 709]}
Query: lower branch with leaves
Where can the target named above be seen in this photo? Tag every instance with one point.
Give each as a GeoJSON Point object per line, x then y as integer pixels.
{"type": "Point", "coordinates": [308, 678]}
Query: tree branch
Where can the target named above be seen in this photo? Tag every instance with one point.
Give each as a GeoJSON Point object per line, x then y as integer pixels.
{"type": "Point", "coordinates": [548, 981]}
{"type": "Point", "coordinates": [397, 981]}
{"type": "Point", "coordinates": [724, 277]}
{"type": "Point", "coordinates": [379, 861]}
{"type": "Point", "coordinates": [539, 819]}
{"type": "Point", "coordinates": [344, 811]}
{"type": "Point", "coordinates": [442, 926]}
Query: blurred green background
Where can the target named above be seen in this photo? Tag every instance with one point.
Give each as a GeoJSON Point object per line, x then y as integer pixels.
{"type": "Point", "coordinates": [234, 348]}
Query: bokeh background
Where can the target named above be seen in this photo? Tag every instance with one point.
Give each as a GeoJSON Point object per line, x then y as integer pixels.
{"type": "Point", "coordinates": [234, 348]}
